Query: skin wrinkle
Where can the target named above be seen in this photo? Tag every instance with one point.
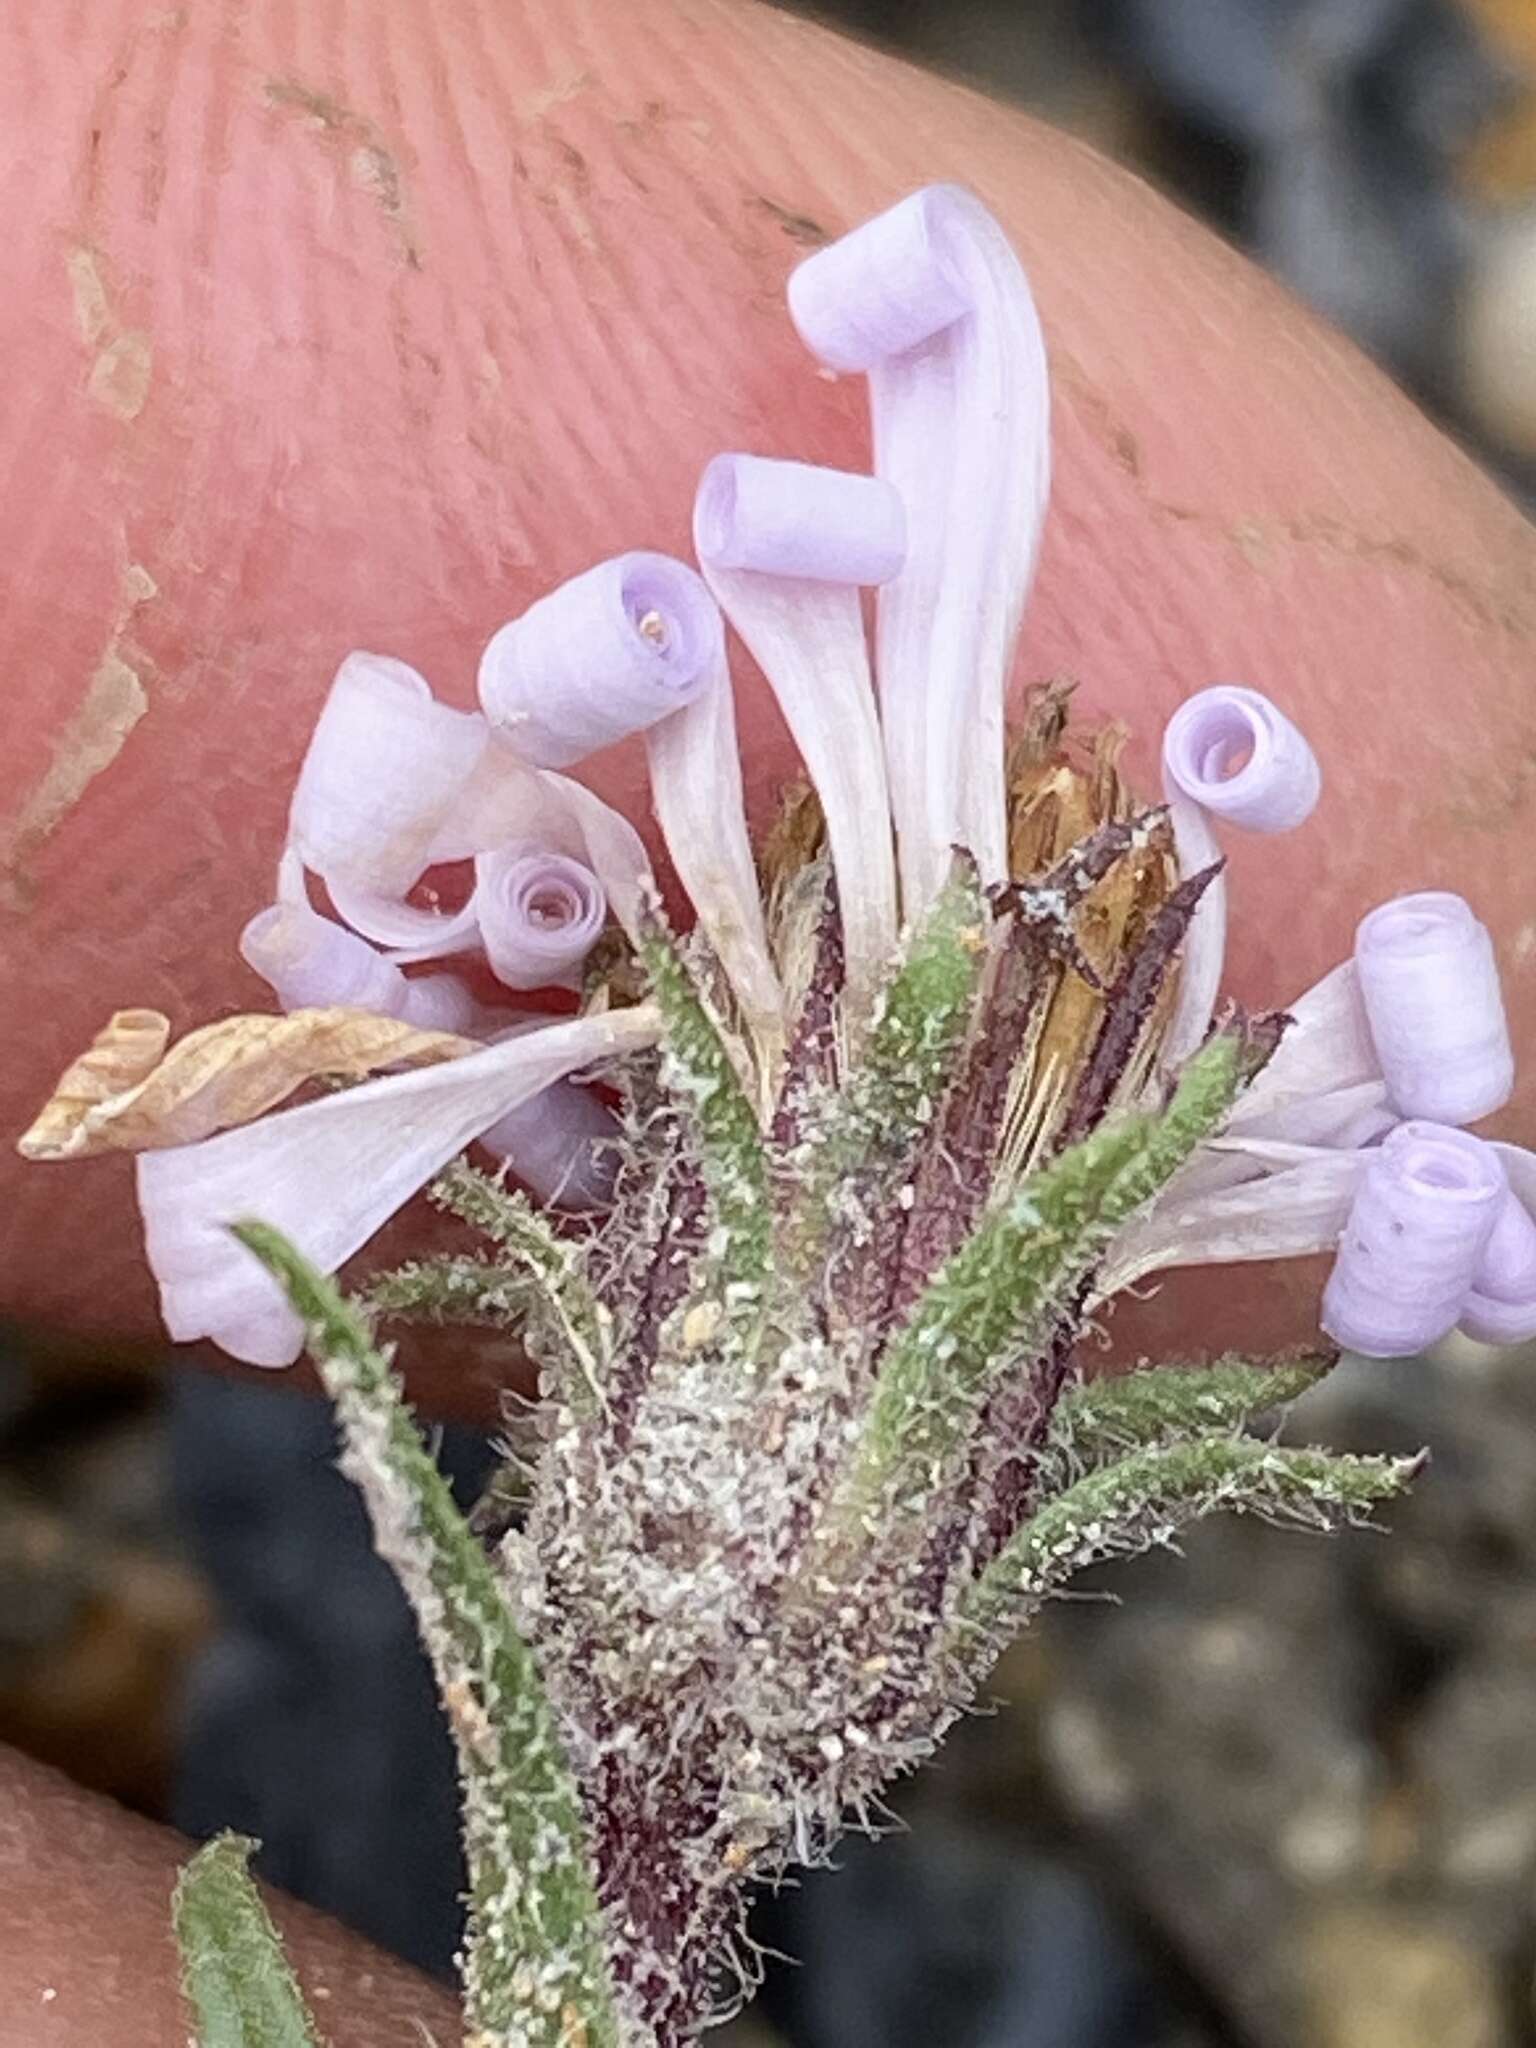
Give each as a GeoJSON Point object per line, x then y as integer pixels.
{"type": "Point", "coordinates": [360, 146]}
{"type": "Point", "coordinates": [338, 450]}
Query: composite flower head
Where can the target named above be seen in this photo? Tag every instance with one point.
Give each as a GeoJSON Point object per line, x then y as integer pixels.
{"type": "Point", "coordinates": [903, 737]}
{"type": "Point", "coordinates": [939, 1069]}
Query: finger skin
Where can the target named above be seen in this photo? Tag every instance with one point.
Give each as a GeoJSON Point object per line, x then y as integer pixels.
{"type": "Point", "coordinates": [87, 1955]}
{"type": "Point", "coordinates": [337, 323]}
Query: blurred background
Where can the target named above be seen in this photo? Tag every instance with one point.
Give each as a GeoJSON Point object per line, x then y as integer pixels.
{"type": "Point", "coordinates": [1283, 1797]}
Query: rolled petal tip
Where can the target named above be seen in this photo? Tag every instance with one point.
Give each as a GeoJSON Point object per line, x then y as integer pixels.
{"type": "Point", "coordinates": [1424, 1211]}
{"type": "Point", "coordinates": [605, 655]}
{"type": "Point", "coordinates": [885, 287]}
{"type": "Point", "coordinates": [1232, 752]}
{"type": "Point", "coordinates": [796, 519]}
{"type": "Point", "coordinates": [385, 763]}
{"type": "Point", "coordinates": [310, 963]}
{"type": "Point", "coordinates": [1430, 984]}
{"type": "Point", "coordinates": [1501, 1308]}
{"type": "Point", "coordinates": [540, 915]}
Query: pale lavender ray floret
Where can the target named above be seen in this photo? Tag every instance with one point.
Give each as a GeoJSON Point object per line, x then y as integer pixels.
{"type": "Point", "coordinates": [561, 1142]}
{"type": "Point", "coordinates": [1282, 1179]}
{"type": "Point", "coordinates": [1228, 753]}
{"type": "Point", "coordinates": [1430, 985]}
{"type": "Point", "coordinates": [309, 962]}
{"type": "Point", "coordinates": [562, 1146]}
{"type": "Point", "coordinates": [385, 763]}
{"type": "Point", "coordinates": [694, 761]}
{"type": "Point", "coordinates": [539, 914]}
{"type": "Point", "coordinates": [785, 547]}
{"type": "Point", "coordinates": [605, 655]}
{"type": "Point", "coordinates": [330, 1173]}
{"type": "Point", "coordinates": [312, 963]}
{"type": "Point", "coordinates": [798, 520]}
{"type": "Point", "coordinates": [886, 286]}
{"type": "Point", "coordinates": [1424, 1210]}
{"type": "Point", "coordinates": [930, 300]}
{"type": "Point", "coordinates": [1501, 1309]}
{"type": "Point", "coordinates": [407, 932]}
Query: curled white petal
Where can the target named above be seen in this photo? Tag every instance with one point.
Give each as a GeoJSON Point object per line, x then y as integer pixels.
{"type": "Point", "coordinates": [1419, 1224]}
{"type": "Point", "coordinates": [540, 914]}
{"type": "Point", "coordinates": [603, 656]}
{"type": "Point", "coordinates": [1326, 1049]}
{"type": "Point", "coordinates": [884, 289]}
{"type": "Point", "coordinates": [930, 299]}
{"type": "Point", "coordinates": [1430, 984]}
{"type": "Point", "coordinates": [696, 787]}
{"type": "Point", "coordinates": [1286, 1214]}
{"type": "Point", "coordinates": [798, 520]}
{"type": "Point", "coordinates": [506, 800]}
{"type": "Point", "coordinates": [563, 1146]}
{"type": "Point", "coordinates": [1231, 751]}
{"type": "Point", "coordinates": [407, 932]}
{"type": "Point", "coordinates": [1228, 753]}
{"type": "Point", "coordinates": [1501, 1309]}
{"type": "Point", "coordinates": [309, 962]}
{"type": "Point", "coordinates": [332, 1172]}
{"type": "Point", "coordinates": [783, 554]}
{"type": "Point", "coordinates": [385, 763]}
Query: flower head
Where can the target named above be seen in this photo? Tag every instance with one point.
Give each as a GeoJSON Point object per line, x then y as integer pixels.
{"type": "Point", "coordinates": [907, 758]}
{"type": "Point", "coordinates": [931, 1080]}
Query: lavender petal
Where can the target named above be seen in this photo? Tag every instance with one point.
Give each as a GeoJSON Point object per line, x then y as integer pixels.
{"type": "Point", "coordinates": [605, 655]}
{"type": "Point", "coordinates": [783, 547]}
{"type": "Point", "coordinates": [539, 913]}
{"type": "Point", "coordinates": [931, 301]}
{"type": "Point", "coordinates": [562, 1146]}
{"type": "Point", "coordinates": [384, 765]}
{"type": "Point", "coordinates": [1421, 1219]}
{"type": "Point", "coordinates": [1228, 753]}
{"type": "Point", "coordinates": [1431, 989]}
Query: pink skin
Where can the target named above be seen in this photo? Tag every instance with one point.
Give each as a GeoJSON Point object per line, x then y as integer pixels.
{"type": "Point", "coordinates": [362, 325]}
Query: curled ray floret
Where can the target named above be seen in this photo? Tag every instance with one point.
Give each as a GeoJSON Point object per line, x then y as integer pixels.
{"type": "Point", "coordinates": [785, 549]}
{"type": "Point", "coordinates": [332, 1171]}
{"type": "Point", "coordinates": [906, 758]}
{"type": "Point", "coordinates": [309, 962]}
{"type": "Point", "coordinates": [539, 915]}
{"type": "Point", "coordinates": [606, 655]}
{"type": "Point", "coordinates": [1430, 985]}
{"type": "Point", "coordinates": [1228, 754]}
{"type": "Point", "coordinates": [931, 303]}
{"type": "Point", "coordinates": [384, 767]}
{"type": "Point", "coordinates": [1437, 1190]}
